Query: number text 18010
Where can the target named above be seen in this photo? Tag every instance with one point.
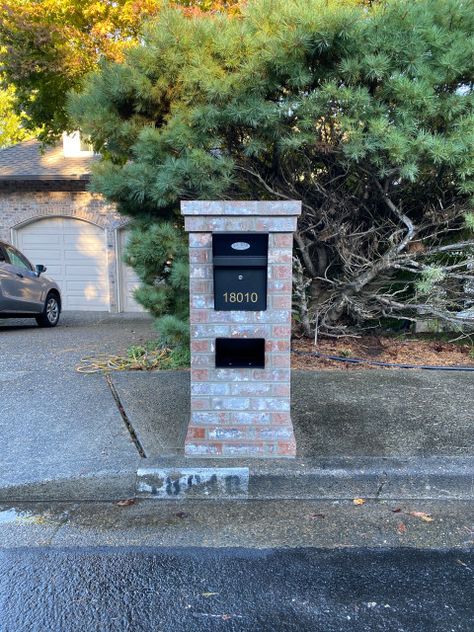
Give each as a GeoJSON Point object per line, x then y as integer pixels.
{"type": "Point", "coordinates": [240, 297]}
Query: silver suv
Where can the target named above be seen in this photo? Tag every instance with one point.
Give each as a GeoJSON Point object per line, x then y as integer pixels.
{"type": "Point", "coordinates": [25, 291]}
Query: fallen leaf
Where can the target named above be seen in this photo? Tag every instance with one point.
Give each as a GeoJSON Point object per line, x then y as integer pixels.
{"type": "Point", "coordinates": [401, 527]}
{"type": "Point", "coordinates": [208, 594]}
{"type": "Point", "coordinates": [182, 514]}
{"type": "Point", "coordinates": [397, 510]}
{"type": "Point", "coordinates": [359, 501]}
{"type": "Point", "coordinates": [426, 517]}
{"type": "Point", "coordinates": [126, 502]}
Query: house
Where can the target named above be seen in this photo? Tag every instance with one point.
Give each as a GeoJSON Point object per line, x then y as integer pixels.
{"type": "Point", "coordinates": [47, 212]}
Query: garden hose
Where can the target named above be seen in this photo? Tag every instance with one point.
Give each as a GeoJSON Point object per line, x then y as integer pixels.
{"type": "Point", "coordinates": [103, 362]}
{"type": "Point", "coordinates": [394, 365]}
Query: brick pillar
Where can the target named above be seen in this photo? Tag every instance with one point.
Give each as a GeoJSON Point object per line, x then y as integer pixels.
{"type": "Point", "coordinates": [240, 412]}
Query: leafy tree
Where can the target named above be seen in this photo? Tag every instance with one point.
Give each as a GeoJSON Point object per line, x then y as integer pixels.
{"type": "Point", "coordinates": [364, 111]}
{"type": "Point", "coordinates": [51, 44]}
{"type": "Point", "coordinates": [12, 125]}
{"type": "Point", "coordinates": [158, 253]}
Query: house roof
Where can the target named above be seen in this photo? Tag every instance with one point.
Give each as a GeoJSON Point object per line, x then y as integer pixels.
{"type": "Point", "coordinates": [29, 161]}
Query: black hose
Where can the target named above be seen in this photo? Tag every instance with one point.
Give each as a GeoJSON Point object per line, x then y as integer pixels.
{"type": "Point", "coordinates": [426, 367]}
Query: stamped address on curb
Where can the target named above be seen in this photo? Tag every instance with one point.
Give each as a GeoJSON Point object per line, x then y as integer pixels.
{"type": "Point", "coordinates": [208, 482]}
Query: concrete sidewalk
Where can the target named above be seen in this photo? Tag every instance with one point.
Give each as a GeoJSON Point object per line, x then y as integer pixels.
{"type": "Point", "coordinates": [335, 414]}
{"type": "Point", "coordinates": [357, 435]}
{"type": "Point", "coordinates": [70, 436]}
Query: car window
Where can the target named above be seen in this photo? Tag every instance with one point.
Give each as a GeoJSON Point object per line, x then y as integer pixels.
{"type": "Point", "coordinates": [2, 255]}
{"type": "Point", "coordinates": [17, 259]}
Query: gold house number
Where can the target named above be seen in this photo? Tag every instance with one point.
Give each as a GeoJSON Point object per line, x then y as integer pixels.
{"type": "Point", "coordinates": [240, 297]}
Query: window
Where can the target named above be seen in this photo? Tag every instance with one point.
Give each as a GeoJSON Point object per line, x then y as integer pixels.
{"type": "Point", "coordinates": [2, 256]}
{"type": "Point", "coordinates": [17, 259]}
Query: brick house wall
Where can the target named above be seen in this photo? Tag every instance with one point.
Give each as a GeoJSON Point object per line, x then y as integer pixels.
{"type": "Point", "coordinates": [37, 200]}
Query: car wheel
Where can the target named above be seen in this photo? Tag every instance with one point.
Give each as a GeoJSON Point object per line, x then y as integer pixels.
{"type": "Point", "coordinates": [51, 311]}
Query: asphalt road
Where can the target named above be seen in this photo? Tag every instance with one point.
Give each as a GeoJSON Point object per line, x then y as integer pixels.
{"type": "Point", "coordinates": [184, 590]}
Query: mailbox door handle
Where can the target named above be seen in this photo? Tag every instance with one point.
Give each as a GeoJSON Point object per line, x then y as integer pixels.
{"type": "Point", "coordinates": [242, 261]}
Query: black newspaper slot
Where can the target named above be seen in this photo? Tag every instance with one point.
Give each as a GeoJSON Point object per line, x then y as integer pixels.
{"type": "Point", "coordinates": [240, 353]}
{"type": "Point", "coordinates": [240, 271]}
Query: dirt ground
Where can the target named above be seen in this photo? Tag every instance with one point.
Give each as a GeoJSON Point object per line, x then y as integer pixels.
{"type": "Point", "coordinates": [403, 350]}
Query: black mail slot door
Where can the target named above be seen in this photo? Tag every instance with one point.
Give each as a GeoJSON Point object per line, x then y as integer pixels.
{"type": "Point", "coordinates": [240, 271]}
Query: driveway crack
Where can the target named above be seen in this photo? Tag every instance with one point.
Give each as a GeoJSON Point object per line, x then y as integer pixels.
{"type": "Point", "coordinates": [126, 420]}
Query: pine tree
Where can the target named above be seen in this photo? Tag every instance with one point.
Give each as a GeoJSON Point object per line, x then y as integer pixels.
{"type": "Point", "coordinates": [362, 110]}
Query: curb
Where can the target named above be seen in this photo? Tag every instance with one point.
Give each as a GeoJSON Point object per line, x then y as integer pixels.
{"type": "Point", "coordinates": [177, 478]}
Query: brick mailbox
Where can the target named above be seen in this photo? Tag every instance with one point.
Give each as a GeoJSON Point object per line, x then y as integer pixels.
{"type": "Point", "coordinates": [240, 257]}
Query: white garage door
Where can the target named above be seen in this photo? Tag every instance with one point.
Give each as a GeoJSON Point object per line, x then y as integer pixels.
{"type": "Point", "coordinates": [128, 279]}
{"type": "Point", "coordinates": [74, 252]}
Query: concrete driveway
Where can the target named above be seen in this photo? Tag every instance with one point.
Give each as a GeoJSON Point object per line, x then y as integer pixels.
{"type": "Point", "coordinates": [53, 419]}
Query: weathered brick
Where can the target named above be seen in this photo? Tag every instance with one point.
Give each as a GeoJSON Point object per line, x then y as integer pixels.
{"type": "Point", "coordinates": [197, 271]}
{"type": "Point", "coordinates": [281, 301]}
{"type": "Point", "coordinates": [199, 255]}
{"type": "Point", "coordinates": [272, 375]}
{"type": "Point", "coordinates": [196, 433]}
{"type": "Point", "coordinates": [200, 286]}
{"type": "Point", "coordinates": [277, 345]}
{"type": "Point", "coordinates": [210, 388]}
{"type": "Point", "coordinates": [199, 375]}
{"type": "Point", "coordinates": [218, 224]}
{"type": "Point", "coordinates": [249, 331]}
{"type": "Point", "coordinates": [225, 433]}
{"type": "Point", "coordinates": [277, 225]}
{"type": "Point", "coordinates": [199, 418]}
{"type": "Point", "coordinates": [275, 433]}
{"type": "Point", "coordinates": [199, 315]}
{"type": "Point", "coordinates": [279, 285]}
{"type": "Point", "coordinates": [200, 403]}
{"type": "Point", "coordinates": [229, 317]}
{"type": "Point", "coordinates": [281, 331]}
{"type": "Point", "coordinates": [202, 360]}
{"type": "Point", "coordinates": [280, 255]}
{"type": "Point", "coordinates": [250, 388]}
{"type": "Point", "coordinates": [273, 316]}
{"type": "Point", "coordinates": [287, 448]}
{"type": "Point", "coordinates": [200, 346]}
{"type": "Point", "coordinates": [249, 418]}
{"type": "Point", "coordinates": [232, 375]}
{"type": "Point", "coordinates": [231, 403]}
{"type": "Point", "coordinates": [193, 448]}
{"type": "Point", "coordinates": [280, 272]}
{"type": "Point", "coordinates": [200, 240]}
{"type": "Point", "coordinates": [210, 331]}
{"type": "Point", "coordinates": [201, 301]}
{"type": "Point", "coordinates": [281, 240]}
{"type": "Point", "coordinates": [281, 418]}
{"type": "Point", "coordinates": [281, 390]}
{"type": "Point", "coordinates": [253, 448]}
{"type": "Point", "coordinates": [270, 403]}
{"type": "Point", "coordinates": [280, 361]}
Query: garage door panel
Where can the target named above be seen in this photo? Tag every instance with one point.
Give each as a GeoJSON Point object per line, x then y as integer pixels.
{"type": "Point", "coordinates": [128, 279]}
{"type": "Point", "coordinates": [75, 255]}
{"type": "Point", "coordinates": [41, 240]}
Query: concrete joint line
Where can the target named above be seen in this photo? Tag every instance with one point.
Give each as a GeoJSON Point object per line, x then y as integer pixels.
{"type": "Point", "coordinates": [126, 420]}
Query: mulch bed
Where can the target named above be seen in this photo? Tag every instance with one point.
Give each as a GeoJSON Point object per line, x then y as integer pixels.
{"type": "Point", "coordinates": [400, 350]}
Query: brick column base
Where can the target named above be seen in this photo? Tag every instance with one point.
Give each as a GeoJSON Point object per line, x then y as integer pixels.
{"type": "Point", "coordinates": [240, 412]}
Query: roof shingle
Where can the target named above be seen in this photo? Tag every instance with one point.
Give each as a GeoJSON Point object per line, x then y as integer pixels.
{"type": "Point", "coordinates": [26, 161]}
